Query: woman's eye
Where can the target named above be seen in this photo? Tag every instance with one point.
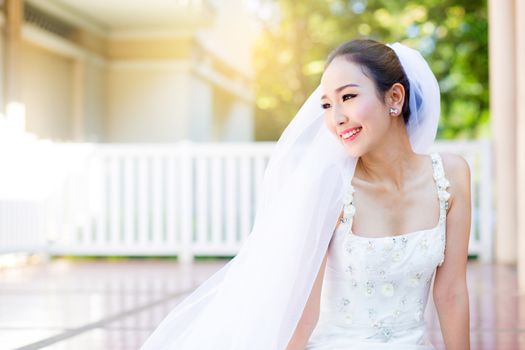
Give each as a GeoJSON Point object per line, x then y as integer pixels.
{"type": "Point", "coordinates": [327, 105]}
{"type": "Point", "coordinates": [348, 95]}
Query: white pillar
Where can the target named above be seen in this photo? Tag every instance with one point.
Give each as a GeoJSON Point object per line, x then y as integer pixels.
{"type": "Point", "coordinates": [503, 118]}
{"type": "Point", "coordinates": [520, 132]}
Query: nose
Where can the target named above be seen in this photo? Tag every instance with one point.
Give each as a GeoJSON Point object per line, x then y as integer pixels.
{"type": "Point", "coordinates": [338, 116]}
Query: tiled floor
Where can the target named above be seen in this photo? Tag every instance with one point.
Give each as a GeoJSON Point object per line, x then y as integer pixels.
{"type": "Point", "coordinates": [101, 305]}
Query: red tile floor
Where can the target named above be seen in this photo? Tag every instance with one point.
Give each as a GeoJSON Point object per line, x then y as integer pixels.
{"type": "Point", "coordinates": [115, 305]}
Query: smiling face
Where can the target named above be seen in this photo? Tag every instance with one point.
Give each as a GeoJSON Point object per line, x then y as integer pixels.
{"type": "Point", "coordinates": [351, 102]}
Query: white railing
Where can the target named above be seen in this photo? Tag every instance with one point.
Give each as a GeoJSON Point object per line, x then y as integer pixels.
{"type": "Point", "coordinates": [30, 171]}
{"type": "Point", "coordinates": [22, 226]}
{"type": "Point", "coordinates": [189, 199]}
{"type": "Point", "coordinates": [185, 199]}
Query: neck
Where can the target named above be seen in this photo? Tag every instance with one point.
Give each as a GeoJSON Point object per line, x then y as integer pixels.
{"type": "Point", "coordinates": [391, 162]}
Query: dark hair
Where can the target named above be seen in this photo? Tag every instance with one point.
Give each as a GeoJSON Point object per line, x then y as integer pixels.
{"type": "Point", "coordinates": [379, 62]}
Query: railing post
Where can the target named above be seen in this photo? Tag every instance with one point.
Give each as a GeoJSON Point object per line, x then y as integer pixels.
{"type": "Point", "coordinates": [186, 200]}
{"type": "Point", "coordinates": [485, 202]}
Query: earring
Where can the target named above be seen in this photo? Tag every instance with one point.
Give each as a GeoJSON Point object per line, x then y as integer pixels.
{"type": "Point", "coordinates": [393, 111]}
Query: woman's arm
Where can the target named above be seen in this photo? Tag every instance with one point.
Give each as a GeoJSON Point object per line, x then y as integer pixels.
{"type": "Point", "coordinates": [310, 314]}
{"type": "Point", "coordinates": [450, 286]}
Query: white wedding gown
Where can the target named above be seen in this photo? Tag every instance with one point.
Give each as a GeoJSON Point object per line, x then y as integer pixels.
{"type": "Point", "coordinates": [375, 290]}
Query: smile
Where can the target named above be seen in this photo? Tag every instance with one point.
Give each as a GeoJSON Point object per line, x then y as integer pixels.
{"type": "Point", "coordinates": [349, 136]}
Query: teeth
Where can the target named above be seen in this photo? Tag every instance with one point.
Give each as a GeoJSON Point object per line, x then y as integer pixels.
{"type": "Point", "coordinates": [348, 134]}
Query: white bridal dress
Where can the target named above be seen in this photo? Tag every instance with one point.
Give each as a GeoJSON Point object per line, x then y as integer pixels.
{"type": "Point", "coordinates": [375, 290]}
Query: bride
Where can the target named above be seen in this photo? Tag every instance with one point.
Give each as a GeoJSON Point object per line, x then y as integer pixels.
{"type": "Point", "coordinates": [356, 154]}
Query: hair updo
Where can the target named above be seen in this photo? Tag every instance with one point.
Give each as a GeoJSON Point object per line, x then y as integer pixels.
{"type": "Point", "coordinates": [379, 62]}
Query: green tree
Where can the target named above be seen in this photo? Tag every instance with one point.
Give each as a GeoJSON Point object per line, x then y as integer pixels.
{"type": "Point", "coordinates": [452, 35]}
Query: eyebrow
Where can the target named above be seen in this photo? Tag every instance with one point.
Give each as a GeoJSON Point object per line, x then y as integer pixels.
{"type": "Point", "coordinates": [340, 88]}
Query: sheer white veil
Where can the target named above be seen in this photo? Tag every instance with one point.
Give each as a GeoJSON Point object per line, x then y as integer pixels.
{"type": "Point", "coordinates": [255, 301]}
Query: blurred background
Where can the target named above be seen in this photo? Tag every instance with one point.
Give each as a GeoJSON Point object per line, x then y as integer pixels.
{"type": "Point", "coordinates": [134, 136]}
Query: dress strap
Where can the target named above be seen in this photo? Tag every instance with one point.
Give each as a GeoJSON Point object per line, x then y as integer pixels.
{"type": "Point", "coordinates": [442, 184]}
{"type": "Point", "coordinates": [348, 205]}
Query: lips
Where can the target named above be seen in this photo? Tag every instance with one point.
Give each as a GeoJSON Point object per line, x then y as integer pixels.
{"type": "Point", "coordinates": [347, 130]}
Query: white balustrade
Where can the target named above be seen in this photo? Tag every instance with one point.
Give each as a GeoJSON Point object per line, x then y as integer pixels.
{"type": "Point", "coordinates": [185, 199]}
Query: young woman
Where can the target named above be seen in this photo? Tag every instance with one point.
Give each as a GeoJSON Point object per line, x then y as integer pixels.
{"type": "Point", "coordinates": [402, 211]}
{"type": "Point", "coordinates": [357, 155]}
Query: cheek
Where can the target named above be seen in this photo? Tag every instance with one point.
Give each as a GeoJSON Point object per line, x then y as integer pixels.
{"type": "Point", "coordinates": [363, 112]}
{"type": "Point", "coordinates": [329, 123]}
{"type": "Point", "coordinates": [367, 113]}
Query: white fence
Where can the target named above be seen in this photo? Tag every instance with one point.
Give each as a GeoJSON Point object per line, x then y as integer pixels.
{"type": "Point", "coordinates": [184, 199]}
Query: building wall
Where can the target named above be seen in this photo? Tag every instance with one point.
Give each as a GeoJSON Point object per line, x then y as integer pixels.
{"type": "Point", "coordinates": [231, 121]}
{"type": "Point", "coordinates": [201, 109]}
{"type": "Point", "coordinates": [231, 34]}
{"type": "Point", "coordinates": [146, 104]}
{"type": "Point", "coordinates": [47, 92]}
{"type": "Point", "coordinates": [135, 86]}
{"type": "Point", "coordinates": [238, 127]}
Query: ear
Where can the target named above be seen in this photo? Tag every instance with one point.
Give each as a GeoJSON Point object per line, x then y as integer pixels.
{"type": "Point", "coordinates": [396, 96]}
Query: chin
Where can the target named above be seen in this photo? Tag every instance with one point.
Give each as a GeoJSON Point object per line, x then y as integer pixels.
{"type": "Point", "coordinates": [353, 151]}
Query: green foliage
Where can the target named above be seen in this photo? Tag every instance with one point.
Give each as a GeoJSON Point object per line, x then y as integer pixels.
{"type": "Point", "coordinates": [452, 35]}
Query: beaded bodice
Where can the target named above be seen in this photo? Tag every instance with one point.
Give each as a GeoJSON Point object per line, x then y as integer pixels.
{"type": "Point", "coordinates": [378, 287]}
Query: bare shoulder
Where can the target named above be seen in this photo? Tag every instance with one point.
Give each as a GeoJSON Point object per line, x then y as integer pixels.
{"type": "Point", "coordinates": [454, 164]}
{"type": "Point", "coordinates": [457, 171]}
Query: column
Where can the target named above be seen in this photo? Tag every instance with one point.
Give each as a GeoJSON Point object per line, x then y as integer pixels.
{"type": "Point", "coordinates": [503, 111]}
{"type": "Point", "coordinates": [520, 132]}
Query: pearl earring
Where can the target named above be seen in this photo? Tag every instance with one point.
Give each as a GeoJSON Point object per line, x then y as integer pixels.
{"type": "Point", "coordinates": [393, 111]}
